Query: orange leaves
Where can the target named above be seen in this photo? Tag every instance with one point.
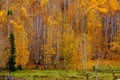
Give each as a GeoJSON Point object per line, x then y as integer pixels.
{"type": "Point", "coordinates": [114, 5]}
{"type": "Point", "coordinates": [103, 3]}
{"type": "Point", "coordinates": [93, 3]}
{"type": "Point", "coordinates": [103, 10]}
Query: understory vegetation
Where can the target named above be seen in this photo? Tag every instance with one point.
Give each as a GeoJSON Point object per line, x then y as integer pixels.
{"type": "Point", "coordinates": [104, 73]}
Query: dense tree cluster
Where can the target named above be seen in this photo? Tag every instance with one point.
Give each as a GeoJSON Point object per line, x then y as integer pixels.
{"type": "Point", "coordinates": [60, 33]}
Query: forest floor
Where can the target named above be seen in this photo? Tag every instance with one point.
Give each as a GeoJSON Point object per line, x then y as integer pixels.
{"type": "Point", "coordinates": [103, 73]}
{"type": "Point", "coordinates": [106, 70]}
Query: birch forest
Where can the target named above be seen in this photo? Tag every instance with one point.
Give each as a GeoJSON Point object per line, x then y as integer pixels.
{"type": "Point", "coordinates": [60, 34]}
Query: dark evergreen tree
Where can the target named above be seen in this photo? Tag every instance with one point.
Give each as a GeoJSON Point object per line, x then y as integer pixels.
{"type": "Point", "coordinates": [11, 61]}
{"type": "Point", "coordinates": [9, 12]}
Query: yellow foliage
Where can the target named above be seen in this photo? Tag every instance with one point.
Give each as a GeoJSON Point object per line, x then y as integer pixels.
{"type": "Point", "coordinates": [114, 5]}
{"type": "Point", "coordinates": [21, 42]}
{"type": "Point", "coordinates": [49, 20]}
{"type": "Point", "coordinates": [103, 3]}
{"type": "Point", "coordinates": [13, 23]}
{"type": "Point", "coordinates": [19, 22]}
{"type": "Point", "coordinates": [44, 2]}
{"type": "Point", "coordinates": [23, 10]}
{"type": "Point", "coordinates": [93, 2]}
{"type": "Point", "coordinates": [3, 13]}
{"type": "Point", "coordinates": [3, 16]}
{"type": "Point", "coordinates": [23, 13]}
{"type": "Point", "coordinates": [103, 10]}
{"type": "Point", "coordinates": [55, 23]}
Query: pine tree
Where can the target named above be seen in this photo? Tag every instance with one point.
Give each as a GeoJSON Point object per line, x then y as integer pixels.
{"type": "Point", "coordinates": [11, 61]}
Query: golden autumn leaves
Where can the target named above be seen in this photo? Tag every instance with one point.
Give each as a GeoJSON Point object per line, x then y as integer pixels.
{"type": "Point", "coordinates": [3, 16]}
{"type": "Point", "coordinates": [55, 31]}
{"type": "Point", "coordinates": [21, 40]}
{"type": "Point", "coordinates": [44, 2]}
{"type": "Point", "coordinates": [23, 13]}
{"type": "Point", "coordinates": [111, 5]}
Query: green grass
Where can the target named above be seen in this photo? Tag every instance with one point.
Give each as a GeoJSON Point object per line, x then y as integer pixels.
{"type": "Point", "coordinates": [30, 74]}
